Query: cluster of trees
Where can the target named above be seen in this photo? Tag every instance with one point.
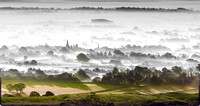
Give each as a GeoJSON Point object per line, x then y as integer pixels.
{"type": "Point", "coordinates": [33, 74]}
{"type": "Point", "coordinates": [64, 50]}
{"type": "Point", "coordinates": [137, 76]}
{"type": "Point", "coordinates": [115, 62]}
{"type": "Point", "coordinates": [28, 8]}
{"type": "Point", "coordinates": [125, 55]}
{"type": "Point", "coordinates": [143, 75]}
{"type": "Point", "coordinates": [38, 75]}
{"type": "Point", "coordinates": [101, 20]}
{"type": "Point", "coordinates": [152, 9]}
{"type": "Point", "coordinates": [36, 94]}
{"type": "Point", "coordinates": [32, 94]}
{"type": "Point", "coordinates": [100, 55]}
{"type": "Point", "coordinates": [17, 87]}
{"type": "Point", "coordinates": [4, 48]}
{"type": "Point", "coordinates": [38, 50]}
{"type": "Point", "coordinates": [32, 62]}
{"type": "Point", "coordinates": [125, 52]}
{"type": "Point", "coordinates": [145, 49]}
{"type": "Point", "coordinates": [118, 52]}
{"type": "Point", "coordinates": [192, 60]}
{"type": "Point", "coordinates": [134, 9]}
{"type": "Point", "coordinates": [142, 55]}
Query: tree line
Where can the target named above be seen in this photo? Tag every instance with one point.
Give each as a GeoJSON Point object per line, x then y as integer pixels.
{"type": "Point", "coordinates": [137, 76]}
{"type": "Point", "coordinates": [144, 75]}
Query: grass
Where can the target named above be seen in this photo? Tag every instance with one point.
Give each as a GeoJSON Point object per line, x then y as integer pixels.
{"type": "Point", "coordinates": [116, 99]}
{"type": "Point", "coordinates": [32, 83]}
{"type": "Point", "coordinates": [147, 89]}
{"type": "Point", "coordinates": [34, 100]}
{"type": "Point", "coordinates": [130, 97]}
{"type": "Point", "coordinates": [106, 86]}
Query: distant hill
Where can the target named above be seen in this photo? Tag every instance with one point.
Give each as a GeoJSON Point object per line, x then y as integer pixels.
{"type": "Point", "coordinates": [105, 9]}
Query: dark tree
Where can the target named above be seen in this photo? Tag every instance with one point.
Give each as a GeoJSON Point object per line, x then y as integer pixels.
{"type": "Point", "coordinates": [19, 87]}
{"type": "Point", "coordinates": [82, 58]}
{"type": "Point", "coordinates": [34, 93]}
{"type": "Point", "coordinates": [26, 63]}
{"type": "Point", "coordinates": [115, 71]}
{"type": "Point", "coordinates": [4, 48]}
{"type": "Point", "coordinates": [14, 72]}
{"type": "Point", "coordinates": [23, 49]}
{"type": "Point", "coordinates": [50, 53]}
{"type": "Point", "coordinates": [9, 87]}
{"type": "Point", "coordinates": [33, 62]}
{"type": "Point", "coordinates": [109, 54]}
{"type": "Point", "coordinates": [177, 70]}
{"type": "Point", "coordinates": [81, 75]}
{"type": "Point", "coordinates": [48, 93]}
{"type": "Point", "coordinates": [64, 50]}
{"type": "Point", "coordinates": [116, 62]}
{"type": "Point", "coordinates": [118, 52]}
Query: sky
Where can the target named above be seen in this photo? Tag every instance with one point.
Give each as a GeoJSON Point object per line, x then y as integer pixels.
{"type": "Point", "coordinates": [90, 0]}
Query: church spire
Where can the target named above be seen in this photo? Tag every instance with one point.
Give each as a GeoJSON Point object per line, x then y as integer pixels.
{"type": "Point", "coordinates": [67, 45]}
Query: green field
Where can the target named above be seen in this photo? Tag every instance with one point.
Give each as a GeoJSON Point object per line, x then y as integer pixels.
{"type": "Point", "coordinates": [107, 99]}
{"type": "Point", "coordinates": [132, 95]}
{"type": "Point", "coordinates": [126, 89]}
{"type": "Point", "coordinates": [161, 88]}
{"type": "Point", "coordinates": [31, 83]}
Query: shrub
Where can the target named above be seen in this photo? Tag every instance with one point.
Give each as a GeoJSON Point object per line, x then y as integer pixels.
{"type": "Point", "coordinates": [33, 62]}
{"type": "Point", "coordinates": [48, 93]}
{"type": "Point", "coordinates": [34, 93]}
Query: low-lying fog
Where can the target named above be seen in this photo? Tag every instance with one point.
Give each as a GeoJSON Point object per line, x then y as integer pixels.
{"type": "Point", "coordinates": [151, 39]}
{"type": "Point", "coordinates": [30, 28]}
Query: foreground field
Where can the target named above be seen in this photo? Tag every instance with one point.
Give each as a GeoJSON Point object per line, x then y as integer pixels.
{"type": "Point", "coordinates": [80, 88]}
{"type": "Point", "coordinates": [77, 88]}
{"type": "Point", "coordinates": [107, 99]}
{"type": "Point", "coordinates": [101, 94]}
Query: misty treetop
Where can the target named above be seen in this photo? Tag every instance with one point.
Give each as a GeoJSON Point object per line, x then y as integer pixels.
{"type": "Point", "coordinates": [71, 56]}
{"type": "Point", "coordinates": [82, 57]}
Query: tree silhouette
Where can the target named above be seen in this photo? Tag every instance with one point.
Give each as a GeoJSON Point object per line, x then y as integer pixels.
{"type": "Point", "coordinates": [19, 87]}
{"type": "Point", "coordinates": [9, 87]}
{"type": "Point", "coordinates": [33, 62]}
{"type": "Point", "coordinates": [34, 93]}
{"type": "Point", "coordinates": [48, 93]}
{"type": "Point", "coordinates": [50, 53]}
{"type": "Point", "coordinates": [82, 58]}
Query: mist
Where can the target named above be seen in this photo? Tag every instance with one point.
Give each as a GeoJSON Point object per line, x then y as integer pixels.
{"type": "Point", "coordinates": [122, 39]}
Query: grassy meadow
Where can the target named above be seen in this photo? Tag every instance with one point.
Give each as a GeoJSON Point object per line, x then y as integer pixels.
{"type": "Point", "coordinates": [32, 83]}
{"type": "Point", "coordinates": [106, 99]}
